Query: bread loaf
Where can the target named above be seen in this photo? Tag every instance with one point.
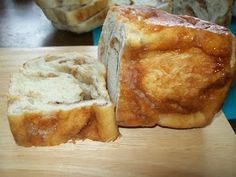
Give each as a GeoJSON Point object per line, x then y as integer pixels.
{"type": "Point", "coordinates": [76, 16]}
{"type": "Point", "coordinates": [91, 23]}
{"type": "Point", "coordinates": [61, 97]}
{"type": "Point", "coordinates": [166, 5]}
{"type": "Point", "coordinates": [164, 69]}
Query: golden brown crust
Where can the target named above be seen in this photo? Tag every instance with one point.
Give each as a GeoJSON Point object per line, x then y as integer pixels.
{"type": "Point", "coordinates": [151, 18]}
{"type": "Point", "coordinates": [181, 75]}
{"type": "Point", "coordinates": [178, 73]}
{"type": "Point", "coordinates": [200, 118]}
{"type": "Point", "coordinates": [178, 92]}
{"type": "Point", "coordinates": [233, 62]}
{"type": "Point", "coordinates": [174, 32]}
{"type": "Point", "coordinates": [48, 129]}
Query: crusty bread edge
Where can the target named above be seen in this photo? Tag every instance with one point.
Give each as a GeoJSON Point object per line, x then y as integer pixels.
{"type": "Point", "coordinates": [198, 119]}
{"type": "Point", "coordinates": [201, 118]}
{"type": "Point", "coordinates": [56, 127]}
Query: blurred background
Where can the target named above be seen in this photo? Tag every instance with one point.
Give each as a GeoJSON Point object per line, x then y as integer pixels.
{"type": "Point", "coordinates": [23, 24]}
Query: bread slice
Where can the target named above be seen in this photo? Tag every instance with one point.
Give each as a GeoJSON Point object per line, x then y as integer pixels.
{"type": "Point", "coordinates": [164, 69]}
{"type": "Point", "coordinates": [87, 25]}
{"type": "Point", "coordinates": [61, 97]}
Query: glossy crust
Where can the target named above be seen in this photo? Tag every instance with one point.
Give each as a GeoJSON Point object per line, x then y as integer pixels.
{"type": "Point", "coordinates": [175, 71]}
{"type": "Point", "coordinates": [53, 128]}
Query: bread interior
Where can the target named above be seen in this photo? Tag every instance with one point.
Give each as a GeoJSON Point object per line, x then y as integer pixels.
{"type": "Point", "coordinates": [57, 82]}
{"type": "Point", "coordinates": [110, 52]}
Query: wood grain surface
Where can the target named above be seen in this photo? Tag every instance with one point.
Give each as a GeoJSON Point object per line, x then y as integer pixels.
{"type": "Point", "coordinates": [209, 152]}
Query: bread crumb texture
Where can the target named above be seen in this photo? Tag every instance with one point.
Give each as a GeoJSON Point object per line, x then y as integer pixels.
{"type": "Point", "coordinates": [57, 98]}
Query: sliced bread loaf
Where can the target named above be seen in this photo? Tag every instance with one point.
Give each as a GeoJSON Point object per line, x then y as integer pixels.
{"type": "Point", "coordinates": [57, 98]}
{"type": "Point", "coordinates": [165, 69]}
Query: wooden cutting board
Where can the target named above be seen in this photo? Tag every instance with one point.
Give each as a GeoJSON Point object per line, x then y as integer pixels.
{"type": "Point", "coordinates": [209, 152]}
